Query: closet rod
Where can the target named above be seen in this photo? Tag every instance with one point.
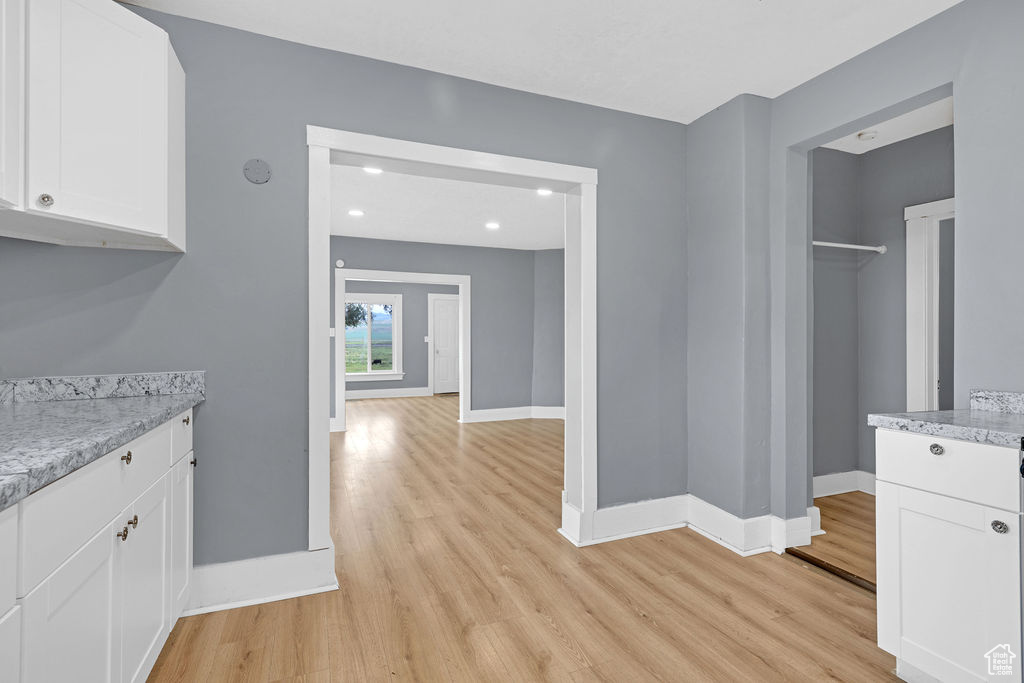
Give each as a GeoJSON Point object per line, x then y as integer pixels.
{"type": "Point", "coordinates": [860, 247]}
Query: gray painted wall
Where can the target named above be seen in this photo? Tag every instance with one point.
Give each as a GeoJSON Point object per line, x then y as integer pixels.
{"type": "Point", "coordinates": [974, 50]}
{"type": "Point", "coordinates": [414, 329]}
{"type": "Point", "coordinates": [549, 327]}
{"type": "Point", "coordinates": [235, 304]}
{"type": "Point", "coordinates": [727, 311]}
{"type": "Point", "coordinates": [860, 299]}
{"type": "Point", "coordinates": [837, 217]}
{"type": "Point", "coordinates": [914, 171]}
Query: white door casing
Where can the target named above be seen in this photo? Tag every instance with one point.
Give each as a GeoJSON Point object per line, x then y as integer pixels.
{"type": "Point", "coordinates": [327, 146]}
{"type": "Point", "coordinates": [443, 347]}
{"type": "Point", "coordinates": [923, 302]}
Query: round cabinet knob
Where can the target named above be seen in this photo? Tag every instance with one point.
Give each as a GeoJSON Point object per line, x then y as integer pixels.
{"type": "Point", "coordinates": [127, 457]}
{"type": "Point", "coordinates": [187, 420]}
{"type": "Point", "coordinates": [1000, 527]}
{"type": "Point", "coordinates": [134, 521]}
{"type": "Point", "coordinates": [936, 449]}
{"type": "Point", "coordinates": [123, 534]}
{"type": "Point", "coordinates": [46, 199]}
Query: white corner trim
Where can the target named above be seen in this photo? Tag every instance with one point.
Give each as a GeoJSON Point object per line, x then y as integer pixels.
{"type": "Point", "coordinates": [843, 482]}
{"type": "Point", "coordinates": [400, 392]}
{"type": "Point", "coordinates": [518, 413]}
{"type": "Point", "coordinates": [337, 424]}
{"type": "Point", "coordinates": [815, 515]}
{"type": "Point", "coordinates": [644, 517]}
{"type": "Point", "coordinates": [941, 209]}
{"type": "Point", "coordinates": [743, 536]}
{"type": "Point", "coordinates": [262, 579]}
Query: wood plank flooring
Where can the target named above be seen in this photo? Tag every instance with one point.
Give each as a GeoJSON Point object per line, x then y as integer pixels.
{"type": "Point", "coordinates": [451, 569]}
{"type": "Point", "coordinates": [847, 548]}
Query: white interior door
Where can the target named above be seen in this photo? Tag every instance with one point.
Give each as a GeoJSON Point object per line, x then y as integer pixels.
{"type": "Point", "coordinates": [444, 316]}
{"type": "Point", "coordinates": [923, 302]}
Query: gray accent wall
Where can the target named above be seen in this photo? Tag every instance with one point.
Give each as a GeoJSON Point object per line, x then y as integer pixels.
{"type": "Point", "coordinates": [235, 304]}
{"type": "Point", "coordinates": [836, 218]}
{"type": "Point", "coordinates": [549, 327]}
{"type": "Point", "coordinates": [727, 306]}
{"type": "Point", "coordinates": [860, 308]}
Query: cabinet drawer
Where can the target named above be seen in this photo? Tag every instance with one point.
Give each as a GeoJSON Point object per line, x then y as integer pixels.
{"type": "Point", "coordinates": [58, 519]}
{"type": "Point", "coordinates": [985, 474]}
{"type": "Point", "coordinates": [8, 558]}
{"type": "Point", "coordinates": [181, 436]}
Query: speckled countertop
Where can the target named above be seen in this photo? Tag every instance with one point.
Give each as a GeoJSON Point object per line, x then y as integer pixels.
{"type": "Point", "coordinates": [995, 418]}
{"type": "Point", "coordinates": [44, 440]}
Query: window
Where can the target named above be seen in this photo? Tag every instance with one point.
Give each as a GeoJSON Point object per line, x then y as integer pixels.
{"type": "Point", "coordinates": [373, 336]}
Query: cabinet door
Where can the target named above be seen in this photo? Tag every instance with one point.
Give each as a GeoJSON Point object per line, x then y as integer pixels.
{"type": "Point", "coordinates": [949, 583]}
{"type": "Point", "coordinates": [97, 115]}
{"type": "Point", "coordinates": [12, 33]}
{"type": "Point", "coordinates": [71, 628]}
{"type": "Point", "coordinates": [144, 582]}
{"type": "Point", "coordinates": [181, 536]}
{"type": "Point", "coordinates": [10, 645]}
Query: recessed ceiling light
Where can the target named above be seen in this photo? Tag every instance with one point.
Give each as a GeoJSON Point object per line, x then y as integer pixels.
{"type": "Point", "coordinates": [544, 192]}
{"type": "Point", "coordinates": [492, 225]}
{"type": "Point", "coordinates": [356, 212]}
{"type": "Point", "coordinates": [867, 135]}
{"type": "Point", "coordinates": [373, 170]}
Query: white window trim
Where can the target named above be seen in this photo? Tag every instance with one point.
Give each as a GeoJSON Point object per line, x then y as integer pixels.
{"type": "Point", "coordinates": [396, 372]}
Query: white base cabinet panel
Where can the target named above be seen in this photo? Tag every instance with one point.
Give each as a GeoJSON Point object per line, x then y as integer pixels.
{"type": "Point", "coordinates": [104, 613]}
{"type": "Point", "coordinates": [71, 622]}
{"type": "Point", "coordinates": [949, 572]}
{"type": "Point", "coordinates": [10, 645]}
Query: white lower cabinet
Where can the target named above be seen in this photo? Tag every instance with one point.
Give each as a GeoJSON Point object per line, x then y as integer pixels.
{"type": "Point", "coordinates": [145, 579]}
{"type": "Point", "coordinates": [71, 622]}
{"type": "Point", "coordinates": [10, 644]}
{"type": "Point", "coordinates": [949, 570]}
{"type": "Point", "coordinates": [181, 534]}
{"type": "Point", "coordinates": [105, 612]}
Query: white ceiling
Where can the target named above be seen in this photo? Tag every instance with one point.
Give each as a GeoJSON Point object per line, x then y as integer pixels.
{"type": "Point", "coordinates": [917, 122]}
{"type": "Point", "coordinates": [672, 59]}
{"type": "Point", "coordinates": [421, 209]}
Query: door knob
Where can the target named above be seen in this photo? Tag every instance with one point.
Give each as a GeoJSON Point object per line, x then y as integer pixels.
{"type": "Point", "coordinates": [46, 199]}
{"type": "Point", "coordinates": [1000, 527]}
{"type": "Point", "coordinates": [134, 521]}
{"type": "Point", "coordinates": [127, 457]}
{"type": "Point", "coordinates": [123, 534]}
{"type": "Point", "coordinates": [936, 449]}
{"type": "Point", "coordinates": [187, 420]}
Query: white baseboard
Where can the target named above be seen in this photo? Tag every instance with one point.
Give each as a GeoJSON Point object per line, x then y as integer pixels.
{"type": "Point", "coordinates": [742, 536]}
{"type": "Point", "coordinates": [815, 514]}
{"type": "Point", "coordinates": [262, 579]}
{"type": "Point", "coordinates": [401, 392]}
{"type": "Point", "coordinates": [518, 413]}
{"type": "Point", "coordinates": [843, 482]}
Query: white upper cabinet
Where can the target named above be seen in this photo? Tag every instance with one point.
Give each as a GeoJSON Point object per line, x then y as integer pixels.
{"type": "Point", "coordinates": [103, 129]}
{"type": "Point", "coordinates": [12, 65]}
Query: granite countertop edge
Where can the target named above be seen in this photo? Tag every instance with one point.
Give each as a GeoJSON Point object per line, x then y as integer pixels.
{"type": "Point", "coordinates": [59, 461]}
{"type": "Point", "coordinates": [958, 427]}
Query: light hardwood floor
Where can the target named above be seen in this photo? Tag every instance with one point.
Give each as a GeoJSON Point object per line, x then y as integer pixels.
{"type": "Point", "coordinates": [451, 569]}
{"type": "Point", "coordinates": [847, 547]}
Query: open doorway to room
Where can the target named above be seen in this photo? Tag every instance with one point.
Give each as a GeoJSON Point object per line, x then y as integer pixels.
{"type": "Point", "coordinates": [501, 292]}
{"type": "Point", "coordinates": [881, 213]}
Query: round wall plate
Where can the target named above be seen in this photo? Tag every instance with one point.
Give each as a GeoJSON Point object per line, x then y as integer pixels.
{"type": "Point", "coordinates": [256, 171]}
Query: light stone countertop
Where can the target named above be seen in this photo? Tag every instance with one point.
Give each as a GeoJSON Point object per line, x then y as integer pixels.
{"type": "Point", "coordinates": [44, 440]}
{"type": "Point", "coordinates": [967, 424]}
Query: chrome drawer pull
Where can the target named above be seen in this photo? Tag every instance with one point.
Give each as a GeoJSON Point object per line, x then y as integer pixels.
{"type": "Point", "coordinates": [936, 449]}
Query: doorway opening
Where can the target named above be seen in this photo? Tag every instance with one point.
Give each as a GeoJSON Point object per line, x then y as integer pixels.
{"type": "Point", "coordinates": [329, 148]}
{"type": "Point", "coordinates": [881, 312]}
